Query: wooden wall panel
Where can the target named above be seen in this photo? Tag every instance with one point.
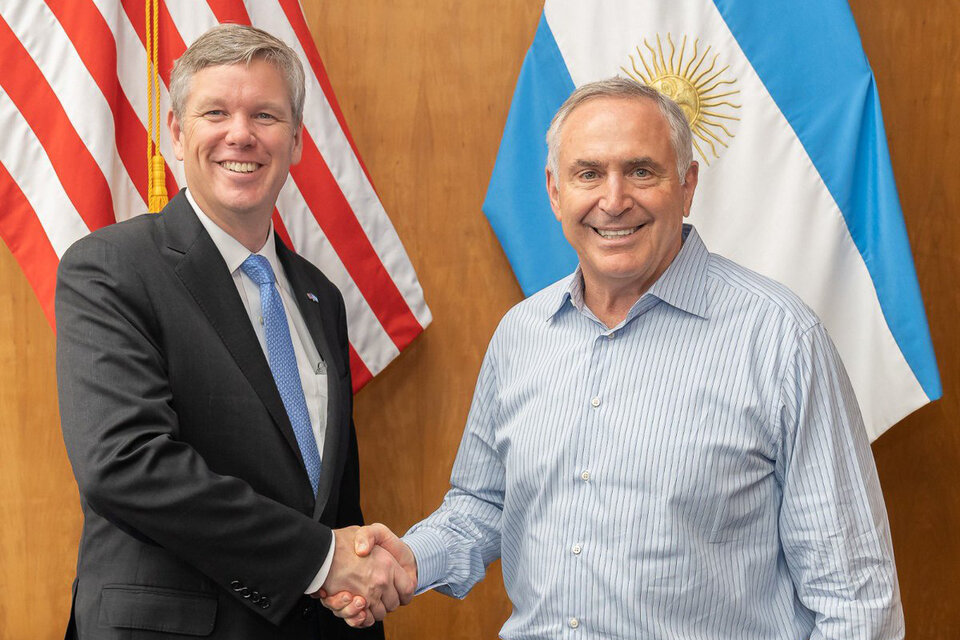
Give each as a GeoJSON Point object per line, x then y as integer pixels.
{"type": "Point", "coordinates": [425, 88]}
{"type": "Point", "coordinates": [915, 55]}
{"type": "Point", "coordinates": [39, 509]}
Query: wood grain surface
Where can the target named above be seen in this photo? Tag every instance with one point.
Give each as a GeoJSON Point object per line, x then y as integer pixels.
{"type": "Point", "coordinates": [425, 88]}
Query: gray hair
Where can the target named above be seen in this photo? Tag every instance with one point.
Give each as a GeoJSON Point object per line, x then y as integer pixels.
{"type": "Point", "coordinates": [616, 87]}
{"type": "Point", "coordinates": [227, 44]}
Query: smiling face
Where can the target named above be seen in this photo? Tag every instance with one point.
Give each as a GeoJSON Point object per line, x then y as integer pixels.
{"type": "Point", "coordinates": [617, 194]}
{"type": "Point", "coordinates": [237, 140]}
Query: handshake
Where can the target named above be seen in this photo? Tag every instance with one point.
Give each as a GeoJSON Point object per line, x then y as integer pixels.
{"type": "Point", "coordinates": [373, 573]}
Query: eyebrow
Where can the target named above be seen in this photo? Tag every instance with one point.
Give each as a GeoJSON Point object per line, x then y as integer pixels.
{"type": "Point", "coordinates": [217, 102]}
{"type": "Point", "coordinates": [642, 161]}
{"type": "Point", "coordinates": [586, 164]}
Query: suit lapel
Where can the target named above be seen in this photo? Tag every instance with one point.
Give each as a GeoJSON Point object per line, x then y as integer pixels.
{"type": "Point", "coordinates": [203, 272]}
{"type": "Point", "coordinates": [334, 442]}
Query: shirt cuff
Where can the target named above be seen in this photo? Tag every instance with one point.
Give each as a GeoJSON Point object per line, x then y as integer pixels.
{"type": "Point", "coordinates": [431, 554]}
{"type": "Point", "coordinates": [324, 568]}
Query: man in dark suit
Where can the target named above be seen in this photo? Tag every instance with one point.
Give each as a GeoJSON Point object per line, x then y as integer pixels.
{"type": "Point", "coordinates": [204, 386]}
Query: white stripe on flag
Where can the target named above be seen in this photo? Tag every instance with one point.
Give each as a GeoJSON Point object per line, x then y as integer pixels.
{"type": "Point", "coordinates": [44, 39]}
{"type": "Point", "coordinates": [27, 162]}
{"type": "Point", "coordinates": [131, 71]}
{"type": "Point", "coordinates": [321, 122]}
{"type": "Point", "coordinates": [192, 19]}
{"type": "Point", "coordinates": [367, 335]}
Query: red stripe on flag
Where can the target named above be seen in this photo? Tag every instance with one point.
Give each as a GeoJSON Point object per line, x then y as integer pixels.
{"type": "Point", "coordinates": [329, 206]}
{"type": "Point", "coordinates": [78, 172]}
{"type": "Point", "coordinates": [359, 374]}
{"type": "Point", "coordinates": [229, 11]}
{"type": "Point", "coordinates": [291, 8]}
{"type": "Point", "coordinates": [332, 211]}
{"type": "Point", "coordinates": [22, 232]}
{"type": "Point", "coordinates": [93, 40]}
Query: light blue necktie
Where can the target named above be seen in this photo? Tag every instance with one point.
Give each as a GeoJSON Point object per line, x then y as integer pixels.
{"type": "Point", "coordinates": [283, 362]}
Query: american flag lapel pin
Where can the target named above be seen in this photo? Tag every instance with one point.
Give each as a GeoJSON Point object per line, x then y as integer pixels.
{"type": "Point", "coordinates": [312, 298]}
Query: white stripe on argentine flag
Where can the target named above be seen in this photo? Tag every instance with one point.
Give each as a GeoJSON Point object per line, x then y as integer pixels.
{"type": "Point", "coordinates": [797, 183]}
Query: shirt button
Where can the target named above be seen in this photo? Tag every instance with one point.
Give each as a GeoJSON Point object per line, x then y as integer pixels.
{"type": "Point", "coordinates": [595, 401]}
{"type": "Point", "coordinates": [576, 549]}
{"type": "Point", "coordinates": [574, 623]}
{"type": "Point", "coordinates": [585, 476]}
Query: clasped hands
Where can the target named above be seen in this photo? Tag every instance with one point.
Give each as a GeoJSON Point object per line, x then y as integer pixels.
{"type": "Point", "coordinates": [373, 573]}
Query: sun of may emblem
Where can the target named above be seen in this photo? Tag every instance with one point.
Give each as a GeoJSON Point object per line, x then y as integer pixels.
{"type": "Point", "coordinates": [696, 85]}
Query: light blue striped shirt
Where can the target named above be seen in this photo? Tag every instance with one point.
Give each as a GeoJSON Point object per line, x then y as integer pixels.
{"type": "Point", "coordinates": [698, 471]}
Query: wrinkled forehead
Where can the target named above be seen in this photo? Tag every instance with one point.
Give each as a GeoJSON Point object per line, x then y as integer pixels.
{"type": "Point", "coordinates": [615, 126]}
{"type": "Point", "coordinates": [626, 110]}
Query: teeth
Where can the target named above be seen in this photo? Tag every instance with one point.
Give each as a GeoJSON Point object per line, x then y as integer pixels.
{"type": "Point", "coordinates": [240, 167]}
{"type": "Point", "coordinates": [611, 233]}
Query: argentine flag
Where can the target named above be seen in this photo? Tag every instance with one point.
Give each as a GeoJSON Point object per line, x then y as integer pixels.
{"type": "Point", "coordinates": [795, 176]}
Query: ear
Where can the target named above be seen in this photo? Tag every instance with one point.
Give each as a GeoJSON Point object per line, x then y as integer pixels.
{"type": "Point", "coordinates": [553, 192]}
{"type": "Point", "coordinates": [176, 132]}
{"type": "Point", "coordinates": [297, 145]}
{"type": "Point", "coordinates": [689, 186]}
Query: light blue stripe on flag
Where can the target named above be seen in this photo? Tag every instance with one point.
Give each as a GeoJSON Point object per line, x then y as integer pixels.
{"type": "Point", "coordinates": [517, 204]}
{"type": "Point", "coordinates": [804, 49]}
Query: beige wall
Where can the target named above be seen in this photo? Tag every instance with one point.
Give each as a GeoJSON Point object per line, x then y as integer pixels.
{"type": "Point", "coordinates": [425, 87]}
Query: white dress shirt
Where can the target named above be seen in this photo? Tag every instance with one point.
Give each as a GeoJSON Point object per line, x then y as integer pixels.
{"type": "Point", "coordinates": [312, 369]}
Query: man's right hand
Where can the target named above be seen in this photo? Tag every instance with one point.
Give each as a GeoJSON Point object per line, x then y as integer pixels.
{"type": "Point", "coordinates": [369, 542]}
{"type": "Point", "coordinates": [368, 574]}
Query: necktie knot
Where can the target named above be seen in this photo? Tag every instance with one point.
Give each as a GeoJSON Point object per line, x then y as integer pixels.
{"type": "Point", "coordinates": [258, 269]}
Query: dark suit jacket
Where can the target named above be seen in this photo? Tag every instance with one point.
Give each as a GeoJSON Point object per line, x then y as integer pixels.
{"type": "Point", "coordinates": [199, 518]}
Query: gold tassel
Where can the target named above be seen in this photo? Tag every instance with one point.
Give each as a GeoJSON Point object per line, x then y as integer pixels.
{"type": "Point", "coordinates": [156, 178]}
{"type": "Point", "coordinates": [158, 186]}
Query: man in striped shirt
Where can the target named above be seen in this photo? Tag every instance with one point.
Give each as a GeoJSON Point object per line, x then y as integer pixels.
{"type": "Point", "coordinates": [664, 444]}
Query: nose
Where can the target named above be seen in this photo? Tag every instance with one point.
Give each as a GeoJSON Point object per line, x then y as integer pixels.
{"type": "Point", "coordinates": [239, 131]}
{"type": "Point", "coordinates": [614, 200]}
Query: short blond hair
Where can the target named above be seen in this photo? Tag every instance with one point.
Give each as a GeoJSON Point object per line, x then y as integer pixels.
{"type": "Point", "coordinates": [237, 44]}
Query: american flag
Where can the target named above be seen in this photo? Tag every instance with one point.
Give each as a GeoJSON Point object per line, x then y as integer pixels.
{"type": "Point", "coordinates": [73, 117]}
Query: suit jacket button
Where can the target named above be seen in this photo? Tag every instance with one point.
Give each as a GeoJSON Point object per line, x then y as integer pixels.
{"type": "Point", "coordinates": [245, 592]}
{"type": "Point", "coordinates": [236, 585]}
{"type": "Point", "coordinates": [255, 597]}
{"type": "Point", "coordinates": [265, 602]}
{"type": "Point", "coordinates": [307, 612]}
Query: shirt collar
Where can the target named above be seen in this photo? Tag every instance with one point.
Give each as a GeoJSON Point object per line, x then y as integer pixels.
{"type": "Point", "coordinates": [233, 252]}
{"type": "Point", "coordinates": [683, 285]}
